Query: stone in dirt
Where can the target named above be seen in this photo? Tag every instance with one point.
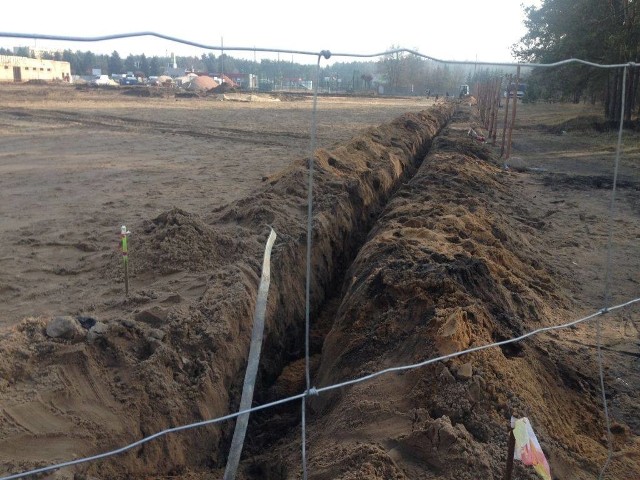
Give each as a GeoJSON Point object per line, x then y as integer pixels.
{"type": "Point", "coordinates": [86, 322]}
{"type": "Point", "coordinates": [173, 298]}
{"type": "Point", "coordinates": [97, 331]}
{"type": "Point", "coordinates": [156, 334]}
{"type": "Point", "coordinates": [127, 322]}
{"type": "Point", "coordinates": [154, 316]}
{"type": "Point", "coordinates": [465, 372]}
{"type": "Point", "coordinates": [64, 327]}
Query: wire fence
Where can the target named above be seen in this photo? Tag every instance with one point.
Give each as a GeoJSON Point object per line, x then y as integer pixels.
{"type": "Point", "coordinates": [313, 391]}
{"type": "Point", "coordinates": [493, 93]}
{"type": "Point", "coordinates": [324, 53]}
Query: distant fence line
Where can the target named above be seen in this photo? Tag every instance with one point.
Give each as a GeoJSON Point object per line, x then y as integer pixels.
{"type": "Point", "coordinates": [325, 53]}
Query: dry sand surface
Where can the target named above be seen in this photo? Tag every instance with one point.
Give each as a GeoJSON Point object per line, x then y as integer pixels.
{"type": "Point", "coordinates": [77, 164]}
{"type": "Point", "coordinates": [413, 257]}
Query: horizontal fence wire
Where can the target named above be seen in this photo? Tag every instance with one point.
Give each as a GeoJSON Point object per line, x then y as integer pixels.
{"type": "Point", "coordinates": [317, 391]}
{"type": "Point", "coordinates": [119, 36]}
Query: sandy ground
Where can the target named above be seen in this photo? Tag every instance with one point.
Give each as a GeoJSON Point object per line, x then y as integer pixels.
{"type": "Point", "coordinates": [199, 180]}
{"type": "Point", "coordinates": [75, 165]}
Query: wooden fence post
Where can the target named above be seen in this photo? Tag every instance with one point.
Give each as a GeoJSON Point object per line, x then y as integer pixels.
{"type": "Point", "coordinates": [492, 107]}
{"type": "Point", "coordinates": [513, 113]}
{"type": "Point", "coordinates": [497, 110]}
{"type": "Point", "coordinates": [506, 116]}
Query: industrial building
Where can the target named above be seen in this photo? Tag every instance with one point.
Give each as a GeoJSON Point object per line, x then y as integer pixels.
{"type": "Point", "coordinates": [24, 69]}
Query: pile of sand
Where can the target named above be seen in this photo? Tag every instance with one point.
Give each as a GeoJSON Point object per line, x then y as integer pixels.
{"type": "Point", "coordinates": [200, 83]}
{"type": "Point", "coordinates": [223, 88]}
{"type": "Point", "coordinates": [177, 240]}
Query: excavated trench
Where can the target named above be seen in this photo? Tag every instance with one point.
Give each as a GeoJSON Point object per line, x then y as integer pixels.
{"type": "Point", "coordinates": [368, 280]}
{"type": "Point", "coordinates": [282, 366]}
{"type": "Point", "coordinates": [353, 183]}
{"type": "Point", "coordinates": [448, 263]}
{"type": "Point", "coordinates": [170, 362]}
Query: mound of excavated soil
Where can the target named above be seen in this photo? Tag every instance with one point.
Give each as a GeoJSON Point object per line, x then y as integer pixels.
{"type": "Point", "coordinates": [452, 263]}
{"type": "Point", "coordinates": [173, 361]}
{"type": "Point", "coordinates": [444, 269]}
{"type": "Point", "coordinates": [144, 91]}
{"type": "Point", "coordinates": [201, 83]}
{"type": "Point", "coordinates": [177, 241]}
{"type": "Point", "coordinates": [222, 88]}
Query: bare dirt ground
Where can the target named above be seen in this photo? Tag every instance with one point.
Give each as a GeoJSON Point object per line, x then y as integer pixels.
{"type": "Point", "coordinates": [77, 164]}
{"type": "Point", "coordinates": [412, 259]}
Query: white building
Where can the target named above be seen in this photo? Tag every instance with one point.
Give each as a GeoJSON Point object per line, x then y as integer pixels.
{"type": "Point", "coordinates": [23, 69]}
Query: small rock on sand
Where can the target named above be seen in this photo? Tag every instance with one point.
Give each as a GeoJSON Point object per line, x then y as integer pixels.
{"type": "Point", "coordinates": [465, 372]}
{"type": "Point", "coordinates": [154, 316]}
{"type": "Point", "coordinates": [97, 331]}
{"type": "Point", "coordinates": [156, 333]}
{"type": "Point", "coordinates": [66, 327]}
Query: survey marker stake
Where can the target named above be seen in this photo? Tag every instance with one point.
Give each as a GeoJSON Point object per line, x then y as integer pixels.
{"type": "Point", "coordinates": [125, 257]}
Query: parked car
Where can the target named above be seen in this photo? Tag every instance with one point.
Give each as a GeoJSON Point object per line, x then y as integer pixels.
{"type": "Point", "coordinates": [129, 81]}
{"type": "Point", "coordinates": [101, 80]}
{"type": "Point", "coordinates": [519, 92]}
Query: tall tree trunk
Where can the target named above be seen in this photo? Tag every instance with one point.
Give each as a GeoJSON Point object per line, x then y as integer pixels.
{"type": "Point", "coordinates": [607, 96]}
{"type": "Point", "coordinates": [634, 83]}
{"type": "Point", "coordinates": [631, 84]}
{"type": "Point", "coordinates": [613, 113]}
{"type": "Point", "coordinates": [611, 95]}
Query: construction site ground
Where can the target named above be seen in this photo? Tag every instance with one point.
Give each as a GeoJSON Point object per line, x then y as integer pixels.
{"type": "Point", "coordinates": [426, 242]}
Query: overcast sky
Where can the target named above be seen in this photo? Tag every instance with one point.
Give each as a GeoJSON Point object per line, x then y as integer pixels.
{"type": "Point", "coordinates": [451, 29]}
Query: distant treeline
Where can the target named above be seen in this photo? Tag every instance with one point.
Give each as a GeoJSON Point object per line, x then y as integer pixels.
{"type": "Point", "coordinates": [397, 73]}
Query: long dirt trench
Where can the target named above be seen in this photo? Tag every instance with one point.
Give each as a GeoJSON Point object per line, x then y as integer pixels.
{"type": "Point", "coordinates": [414, 255]}
{"type": "Point", "coordinates": [451, 263]}
{"type": "Point", "coordinates": [168, 362]}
